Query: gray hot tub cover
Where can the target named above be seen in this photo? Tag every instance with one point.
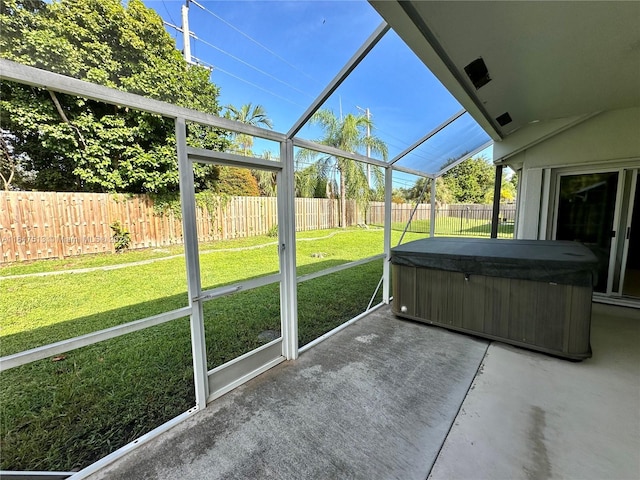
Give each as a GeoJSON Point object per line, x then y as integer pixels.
{"type": "Point", "coordinates": [568, 263]}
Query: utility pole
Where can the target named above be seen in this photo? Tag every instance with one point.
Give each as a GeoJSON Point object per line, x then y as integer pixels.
{"type": "Point", "coordinates": [186, 50]}
{"type": "Point", "coordinates": [368, 147]}
{"type": "Point", "coordinates": [187, 34]}
{"type": "Point", "coordinates": [368, 114]}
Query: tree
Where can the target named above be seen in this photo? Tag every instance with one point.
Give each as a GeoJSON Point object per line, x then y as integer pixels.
{"type": "Point", "coordinates": [471, 181]}
{"type": "Point", "coordinates": [348, 134]}
{"type": "Point", "coordinates": [237, 181]}
{"type": "Point", "coordinates": [312, 182]}
{"type": "Point", "coordinates": [398, 195]}
{"type": "Point", "coordinates": [443, 194]}
{"type": "Point", "coordinates": [507, 191]}
{"type": "Point", "coordinates": [254, 115]}
{"type": "Point", "coordinates": [8, 167]}
{"type": "Point", "coordinates": [77, 144]}
{"type": "Point", "coordinates": [250, 114]}
{"type": "Point", "coordinates": [267, 180]}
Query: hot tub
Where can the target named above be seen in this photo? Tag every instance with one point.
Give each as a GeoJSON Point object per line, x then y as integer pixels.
{"type": "Point", "coordinates": [530, 293]}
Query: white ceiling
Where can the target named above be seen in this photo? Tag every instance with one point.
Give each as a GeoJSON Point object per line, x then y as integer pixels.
{"type": "Point", "coordinates": [547, 60]}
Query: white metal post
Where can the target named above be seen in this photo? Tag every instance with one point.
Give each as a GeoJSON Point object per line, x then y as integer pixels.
{"type": "Point", "coordinates": [386, 269]}
{"type": "Point", "coordinates": [190, 232]}
{"type": "Point", "coordinates": [287, 246]}
{"type": "Point", "coordinates": [432, 222]}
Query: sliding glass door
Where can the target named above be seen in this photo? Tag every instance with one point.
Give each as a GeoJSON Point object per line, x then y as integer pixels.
{"type": "Point", "coordinates": [586, 210]}
{"type": "Point", "coordinates": [600, 209]}
{"type": "Point", "coordinates": [629, 283]}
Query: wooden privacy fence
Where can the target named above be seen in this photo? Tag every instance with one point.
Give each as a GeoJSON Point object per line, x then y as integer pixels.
{"type": "Point", "coordinates": [36, 225]}
{"type": "Point", "coordinates": [400, 212]}
{"type": "Point", "coordinates": [458, 219]}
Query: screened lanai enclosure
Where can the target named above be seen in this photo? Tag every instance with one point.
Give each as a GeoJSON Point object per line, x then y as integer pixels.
{"type": "Point", "coordinates": [143, 342]}
{"type": "Point", "coordinates": [196, 329]}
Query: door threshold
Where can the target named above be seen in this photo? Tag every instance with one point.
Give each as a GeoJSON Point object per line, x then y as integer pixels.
{"type": "Point", "coordinates": [619, 301]}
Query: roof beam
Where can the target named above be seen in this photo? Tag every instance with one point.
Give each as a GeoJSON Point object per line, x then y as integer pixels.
{"type": "Point", "coordinates": [530, 136]}
{"type": "Point", "coordinates": [336, 152]}
{"type": "Point", "coordinates": [406, 21]}
{"type": "Point", "coordinates": [36, 77]}
{"type": "Point", "coordinates": [412, 171]}
{"type": "Point", "coordinates": [428, 136]}
{"type": "Point", "coordinates": [362, 52]}
{"type": "Point", "coordinates": [203, 155]}
{"type": "Point", "coordinates": [463, 157]}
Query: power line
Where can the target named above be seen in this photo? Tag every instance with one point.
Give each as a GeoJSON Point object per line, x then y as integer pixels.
{"type": "Point", "coordinates": [403, 142]}
{"type": "Point", "coordinates": [218, 69]}
{"type": "Point", "coordinates": [201, 63]}
{"type": "Point", "coordinates": [256, 42]}
{"type": "Point", "coordinates": [213, 67]}
{"type": "Point", "coordinates": [404, 145]}
{"type": "Point", "coordinates": [168, 13]}
{"type": "Point", "coordinates": [191, 34]}
{"type": "Point", "coordinates": [251, 66]}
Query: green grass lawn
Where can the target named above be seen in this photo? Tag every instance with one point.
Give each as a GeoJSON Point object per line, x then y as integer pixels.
{"type": "Point", "coordinates": [66, 412]}
{"type": "Point", "coordinates": [456, 227]}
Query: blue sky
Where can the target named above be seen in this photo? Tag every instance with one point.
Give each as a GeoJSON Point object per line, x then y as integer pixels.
{"type": "Point", "coordinates": [281, 54]}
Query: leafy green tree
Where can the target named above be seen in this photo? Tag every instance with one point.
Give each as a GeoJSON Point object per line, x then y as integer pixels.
{"type": "Point", "coordinates": [443, 194]}
{"type": "Point", "coordinates": [507, 192]}
{"type": "Point", "coordinates": [237, 181]}
{"type": "Point", "coordinates": [254, 115]}
{"type": "Point", "coordinates": [8, 167]}
{"type": "Point", "coordinates": [471, 181]}
{"type": "Point", "coordinates": [514, 180]}
{"type": "Point", "coordinates": [399, 195]}
{"type": "Point", "coordinates": [348, 134]}
{"type": "Point", "coordinates": [77, 144]}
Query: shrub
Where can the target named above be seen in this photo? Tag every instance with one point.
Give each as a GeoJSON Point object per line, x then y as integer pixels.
{"type": "Point", "coordinates": [121, 237]}
{"type": "Point", "coordinates": [273, 231]}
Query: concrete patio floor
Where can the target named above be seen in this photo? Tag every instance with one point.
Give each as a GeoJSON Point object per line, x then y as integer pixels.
{"type": "Point", "coordinates": [532, 416]}
{"type": "Point", "coordinates": [388, 398]}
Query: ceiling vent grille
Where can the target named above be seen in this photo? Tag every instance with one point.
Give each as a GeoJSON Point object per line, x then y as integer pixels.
{"type": "Point", "coordinates": [478, 73]}
{"type": "Point", "coordinates": [504, 119]}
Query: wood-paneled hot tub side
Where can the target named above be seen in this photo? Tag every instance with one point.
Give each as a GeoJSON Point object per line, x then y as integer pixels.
{"type": "Point", "coordinates": [530, 293]}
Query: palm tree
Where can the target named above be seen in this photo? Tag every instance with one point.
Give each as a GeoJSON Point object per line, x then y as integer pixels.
{"type": "Point", "coordinates": [312, 182]}
{"type": "Point", "coordinates": [250, 114]}
{"type": "Point", "coordinates": [348, 134]}
{"type": "Point", "coordinates": [266, 179]}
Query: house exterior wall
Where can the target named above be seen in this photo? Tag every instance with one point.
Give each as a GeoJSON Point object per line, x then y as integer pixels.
{"type": "Point", "coordinates": [607, 140]}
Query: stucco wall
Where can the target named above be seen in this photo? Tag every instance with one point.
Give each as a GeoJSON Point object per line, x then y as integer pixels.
{"type": "Point", "coordinates": [610, 138]}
